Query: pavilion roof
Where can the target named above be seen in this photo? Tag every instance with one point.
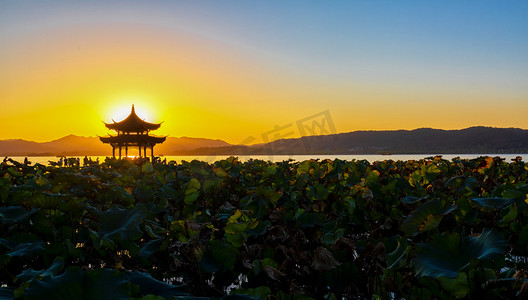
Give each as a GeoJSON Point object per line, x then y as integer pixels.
{"type": "Point", "coordinates": [132, 123]}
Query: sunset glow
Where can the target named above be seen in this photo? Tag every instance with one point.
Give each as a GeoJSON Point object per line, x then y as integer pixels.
{"type": "Point", "coordinates": [121, 109]}
{"type": "Point", "coordinates": [234, 70]}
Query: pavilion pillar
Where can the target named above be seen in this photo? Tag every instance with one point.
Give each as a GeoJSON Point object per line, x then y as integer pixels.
{"type": "Point", "coordinates": [145, 151]}
{"type": "Point", "coordinates": [119, 151]}
{"type": "Point", "coordinates": [139, 150]}
{"type": "Point", "coordinates": [113, 151]}
{"type": "Point", "coordinates": [152, 152]}
{"type": "Point", "coordinates": [126, 150]}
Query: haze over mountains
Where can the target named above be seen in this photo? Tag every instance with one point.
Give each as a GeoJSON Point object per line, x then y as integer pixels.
{"type": "Point", "coordinates": [487, 140]}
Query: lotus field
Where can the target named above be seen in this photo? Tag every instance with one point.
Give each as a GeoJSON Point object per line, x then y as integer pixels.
{"type": "Point", "coordinates": [125, 229]}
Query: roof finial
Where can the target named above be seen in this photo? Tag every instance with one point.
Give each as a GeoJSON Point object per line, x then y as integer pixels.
{"type": "Point", "coordinates": [133, 108]}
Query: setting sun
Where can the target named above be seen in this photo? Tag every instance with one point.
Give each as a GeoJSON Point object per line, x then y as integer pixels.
{"type": "Point", "coordinates": [121, 109]}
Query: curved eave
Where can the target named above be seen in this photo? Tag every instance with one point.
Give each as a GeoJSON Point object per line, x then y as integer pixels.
{"type": "Point", "coordinates": [131, 127]}
{"type": "Point", "coordinates": [133, 139]}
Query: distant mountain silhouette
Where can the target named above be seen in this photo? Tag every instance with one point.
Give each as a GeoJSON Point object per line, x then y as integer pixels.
{"type": "Point", "coordinates": [73, 145]}
{"type": "Point", "coordinates": [17, 146]}
{"type": "Point", "coordinates": [483, 140]}
{"type": "Point", "coordinates": [419, 141]}
{"type": "Point", "coordinates": [177, 146]}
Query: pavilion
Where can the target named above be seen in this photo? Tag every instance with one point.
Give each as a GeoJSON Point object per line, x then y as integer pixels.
{"type": "Point", "coordinates": [132, 132]}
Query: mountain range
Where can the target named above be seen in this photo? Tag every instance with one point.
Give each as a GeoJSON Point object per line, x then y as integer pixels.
{"type": "Point", "coordinates": [73, 145]}
{"type": "Point", "coordinates": [480, 139]}
{"type": "Point", "coordinates": [473, 140]}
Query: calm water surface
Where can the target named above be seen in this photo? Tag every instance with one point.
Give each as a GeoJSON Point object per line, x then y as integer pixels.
{"type": "Point", "coordinates": [278, 158]}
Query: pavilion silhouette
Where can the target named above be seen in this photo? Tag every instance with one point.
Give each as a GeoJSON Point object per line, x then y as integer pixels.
{"type": "Point", "coordinates": [132, 132]}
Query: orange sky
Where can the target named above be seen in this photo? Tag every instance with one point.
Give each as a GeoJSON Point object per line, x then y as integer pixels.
{"type": "Point", "coordinates": [66, 76]}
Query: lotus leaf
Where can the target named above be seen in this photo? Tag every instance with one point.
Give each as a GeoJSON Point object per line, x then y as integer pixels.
{"type": "Point", "coordinates": [192, 191]}
{"type": "Point", "coordinates": [448, 254]}
{"type": "Point", "coordinates": [426, 217]}
{"type": "Point", "coordinates": [497, 203]}
{"type": "Point", "coordinates": [458, 287]}
{"type": "Point", "coordinates": [412, 199]}
{"type": "Point", "coordinates": [238, 227]}
{"type": "Point", "coordinates": [317, 192]}
{"type": "Point", "coordinates": [397, 258]}
{"type": "Point", "coordinates": [15, 214]}
{"type": "Point", "coordinates": [29, 275]}
{"type": "Point", "coordinates": [22, 245]}
{"type": "Point", "coordinates": [122, 224]}
{"type": "Point", "coordinates": [149, 249]}
{"type": "Point", "coordinates": [147, 168]}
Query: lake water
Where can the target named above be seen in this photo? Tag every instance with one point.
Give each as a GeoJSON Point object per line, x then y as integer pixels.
{"type": "Point", "coordinates": [278, 158]}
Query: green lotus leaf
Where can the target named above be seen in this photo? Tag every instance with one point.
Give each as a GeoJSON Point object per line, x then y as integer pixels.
{"type": "Point", "coordinates": [192, 191]}
{"type": "Point", "coordinates": [258, 206]}
{"type": "Point", "coordinates": [210, 184]}
{"type": "Point", "coordinates": [15, 214]}
{"type": "Point", "coordinates": [192, 186]}
{"type": "Point", "coordinates": [426, 217]}
{"type": "Point", "coordinates": [14, 172]}
{"type": "Point", "coordinates": [447, 254]}
{"type": "Point", "coordinates": [308, 166]}
{"type": "Point", "coordinates": [29, 275]}
{"type": "Point", "coordinates": [429, 172]}
{"type": "Point", "coordinates": [191, 198]}
{"type": "Point", "coordinates": [496, 203]}
{"type": "Point", "coordinates": [455, 182]}
{"type": "Point", "coordinates": [22, 245]}
{"type": "Point", "coordinates": [220, 172]}
{"type": "Point", "coordinates": [510, 216]}
{"type": "Point", "coordinates": [149, 248]}
{"type": "Point", "coordinates": [147, 168]}
{"type": "Point", "coordinates": [412, 199]}
{"type": "Point", "coordinates": [270, 171]}
{"type": "Point", "coordinates": [396, 258]}
{"type": "Point", "coordinates": [117, 194]}
{"type": "Point", "coordinates": [183, 231]}
{"type": "Point", "coordinates": [317, 192]}
{"type": "Point", "coordinates": [268, 194]}
{"type": "Point", "coordinates": [143, 193]}
{"type": "Point", "coordinates": [122, 224]}
{"type": "Point", "coordinates": [238, 227]}
{"type": "Point", "coordinates": [331, 237]}
{"type": "Point", "coordinates": [458, 287]}
{"type": "Point", "coordinates": [372, 177]}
